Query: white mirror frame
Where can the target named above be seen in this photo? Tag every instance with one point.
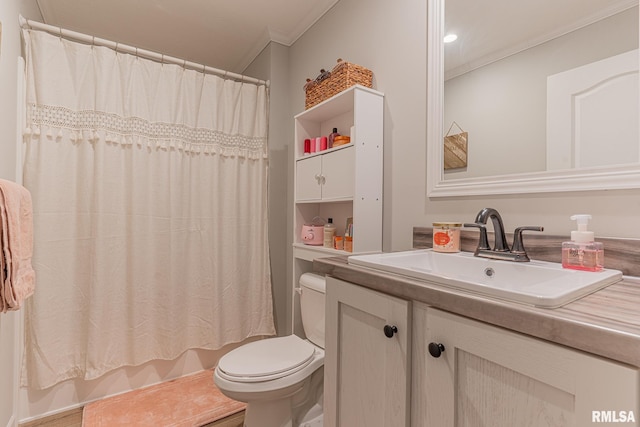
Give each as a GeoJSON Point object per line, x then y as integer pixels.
{"type": "Point", "coordinates": [602, 178]}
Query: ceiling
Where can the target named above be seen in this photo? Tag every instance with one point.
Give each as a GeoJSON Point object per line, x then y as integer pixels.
{"type": "Point", "coordinates": [229, 34]}
{"type": "Point", "coordinates": [225, 34]}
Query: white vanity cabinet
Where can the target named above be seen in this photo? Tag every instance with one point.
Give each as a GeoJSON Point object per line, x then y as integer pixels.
{"type": "Point", "coordinates": [488, 376]}
{"type": "Point", "coordinates": [367, 369]}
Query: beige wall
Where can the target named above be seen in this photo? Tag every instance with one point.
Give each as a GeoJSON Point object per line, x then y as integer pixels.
{"type": "Point", "coordinates": [389, 38]}
{"type": "Point", "coordinates": [272, 64]}
{"type": "Point", "coordinates": [10, 323]}
{"type": "Point", "coordinates": [9, 49]}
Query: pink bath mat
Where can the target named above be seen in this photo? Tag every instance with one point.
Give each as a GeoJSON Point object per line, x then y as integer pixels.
{"type": "Point", "coordinates": [190, 401]}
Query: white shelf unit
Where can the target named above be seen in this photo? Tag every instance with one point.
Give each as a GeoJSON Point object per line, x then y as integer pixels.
{"type": "Point", "coordinates": [341, 182]}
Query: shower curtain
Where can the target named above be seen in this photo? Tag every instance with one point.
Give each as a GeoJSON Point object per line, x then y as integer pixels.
{"type": "Point", "coordinates": [149, 191]}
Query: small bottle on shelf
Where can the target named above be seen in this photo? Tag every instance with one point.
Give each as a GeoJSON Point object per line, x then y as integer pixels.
{"type": "Point", "coordinates": [332, 137]}
{"type": "Point", "coordinates": [339, 243]}
{"type": "Point", "coordinates": [348, 243]}
{"type": "Point", "coordinates": [329, 232]}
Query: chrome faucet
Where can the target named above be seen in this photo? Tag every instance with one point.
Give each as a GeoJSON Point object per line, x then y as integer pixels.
{"type": "Point", "coordinates": [500, 248]}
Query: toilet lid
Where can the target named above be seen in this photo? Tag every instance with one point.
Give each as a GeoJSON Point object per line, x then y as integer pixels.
{"type": "Point", "coordinates": [266, 359]}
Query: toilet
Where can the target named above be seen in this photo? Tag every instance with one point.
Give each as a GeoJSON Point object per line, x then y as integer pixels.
{"type": "Point", "coordinates": [281, 378]}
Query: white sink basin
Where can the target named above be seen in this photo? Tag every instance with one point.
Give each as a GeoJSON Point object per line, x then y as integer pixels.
{"type": "Point", "coordinates": [538, 283]}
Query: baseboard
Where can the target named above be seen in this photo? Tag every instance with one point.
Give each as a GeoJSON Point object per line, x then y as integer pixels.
{"type": "Point", "coordinates": [51, 417]}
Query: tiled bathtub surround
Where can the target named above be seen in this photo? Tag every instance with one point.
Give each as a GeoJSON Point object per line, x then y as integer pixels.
{"type": "Point", "coordinates": [619, 254]}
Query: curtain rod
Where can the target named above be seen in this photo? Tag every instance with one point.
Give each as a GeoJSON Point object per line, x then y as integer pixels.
{"type": "Point", "coordinates": [119, 47]}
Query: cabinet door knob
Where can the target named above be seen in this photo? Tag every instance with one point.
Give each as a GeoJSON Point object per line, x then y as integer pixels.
{"type": "Point", "coordinates": [435, 349]}
{"type": "Point", "coordinates": [390, 330]}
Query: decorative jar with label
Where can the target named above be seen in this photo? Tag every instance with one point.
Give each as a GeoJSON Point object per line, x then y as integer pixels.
{"type": "Point", "coordinates": [446, 236]}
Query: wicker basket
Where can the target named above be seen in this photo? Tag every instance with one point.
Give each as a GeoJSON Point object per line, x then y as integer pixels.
{"type": "Point", "coordinates": [343, 76]}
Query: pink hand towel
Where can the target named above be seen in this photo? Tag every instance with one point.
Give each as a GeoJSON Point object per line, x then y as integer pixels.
{"type": "Point", "coordinates": [16, 242]}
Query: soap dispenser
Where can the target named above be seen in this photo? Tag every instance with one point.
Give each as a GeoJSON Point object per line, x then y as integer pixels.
{"type": "Point", "coordinates": [582, 252]}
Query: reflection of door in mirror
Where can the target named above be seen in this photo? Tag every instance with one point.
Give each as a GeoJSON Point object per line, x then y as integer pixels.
{"type": "Point", "coordinates": [592, 114]}
{"type": "Point", "coordinates": [499, 91]}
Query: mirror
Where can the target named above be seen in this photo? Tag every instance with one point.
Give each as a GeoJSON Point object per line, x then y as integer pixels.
{"type": "Point", "coordinates": [540, 141]}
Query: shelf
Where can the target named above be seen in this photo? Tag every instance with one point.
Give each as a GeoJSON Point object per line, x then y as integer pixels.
{"type": "Point", "coordinates": [306, 202]}
{"type": "Point", "coordinates": [310, 252]}
{"type": "Point", "coordinates": [320, 153]}
{"type": "Point", "coordinates": [337, 104]}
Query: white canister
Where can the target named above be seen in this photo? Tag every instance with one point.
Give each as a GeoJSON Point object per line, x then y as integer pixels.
{"type": "Point", "coordinates": [446, 236]}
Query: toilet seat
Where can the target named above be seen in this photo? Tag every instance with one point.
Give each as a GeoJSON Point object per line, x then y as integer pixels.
{"type": "Point", "coordinates": [266, 359]}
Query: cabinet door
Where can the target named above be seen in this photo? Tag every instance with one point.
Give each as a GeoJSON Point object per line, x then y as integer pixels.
{"type": "Point", "coordinates": [309, 178]}
{"type": "Point", "coordinates": [487, 376]}
{"type": "Point", "coordinates": [367, 374]}
{"type": "Point", "coordinates": [338, 174]}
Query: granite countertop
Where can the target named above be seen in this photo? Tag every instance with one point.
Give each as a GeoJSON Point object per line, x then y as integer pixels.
{"type": "Point", "coordinates": [605, 323]}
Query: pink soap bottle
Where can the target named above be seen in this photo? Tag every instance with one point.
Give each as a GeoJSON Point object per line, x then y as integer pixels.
{"type": "Point", "coordinates": [582, 252]}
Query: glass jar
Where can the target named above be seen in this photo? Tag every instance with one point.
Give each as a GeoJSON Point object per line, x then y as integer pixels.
{"type": "Point", "coordinates": [348, 243]}
{"type": "Point", "coordinates": [446, 236]}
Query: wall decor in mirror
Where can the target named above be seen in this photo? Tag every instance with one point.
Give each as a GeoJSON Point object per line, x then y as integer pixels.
{"type": "Point", "coordinates": [547, 91]}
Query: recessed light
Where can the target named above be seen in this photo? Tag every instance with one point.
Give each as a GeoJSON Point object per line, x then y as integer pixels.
{"type": "Point", "coordinates": [450, 38]}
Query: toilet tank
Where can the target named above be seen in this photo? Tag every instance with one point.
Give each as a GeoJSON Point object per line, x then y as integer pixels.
{"type": "Point", "coordinates": [312, 297]}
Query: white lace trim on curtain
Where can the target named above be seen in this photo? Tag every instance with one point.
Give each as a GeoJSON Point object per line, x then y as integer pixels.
{"type": "Point", "coordinates": [93, 126]}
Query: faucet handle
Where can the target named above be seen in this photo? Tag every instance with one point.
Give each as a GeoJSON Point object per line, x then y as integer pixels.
{"type": "Point", "coordinates": [483, 243]}
{"type": "Point", "coordinates": [518, 245]}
